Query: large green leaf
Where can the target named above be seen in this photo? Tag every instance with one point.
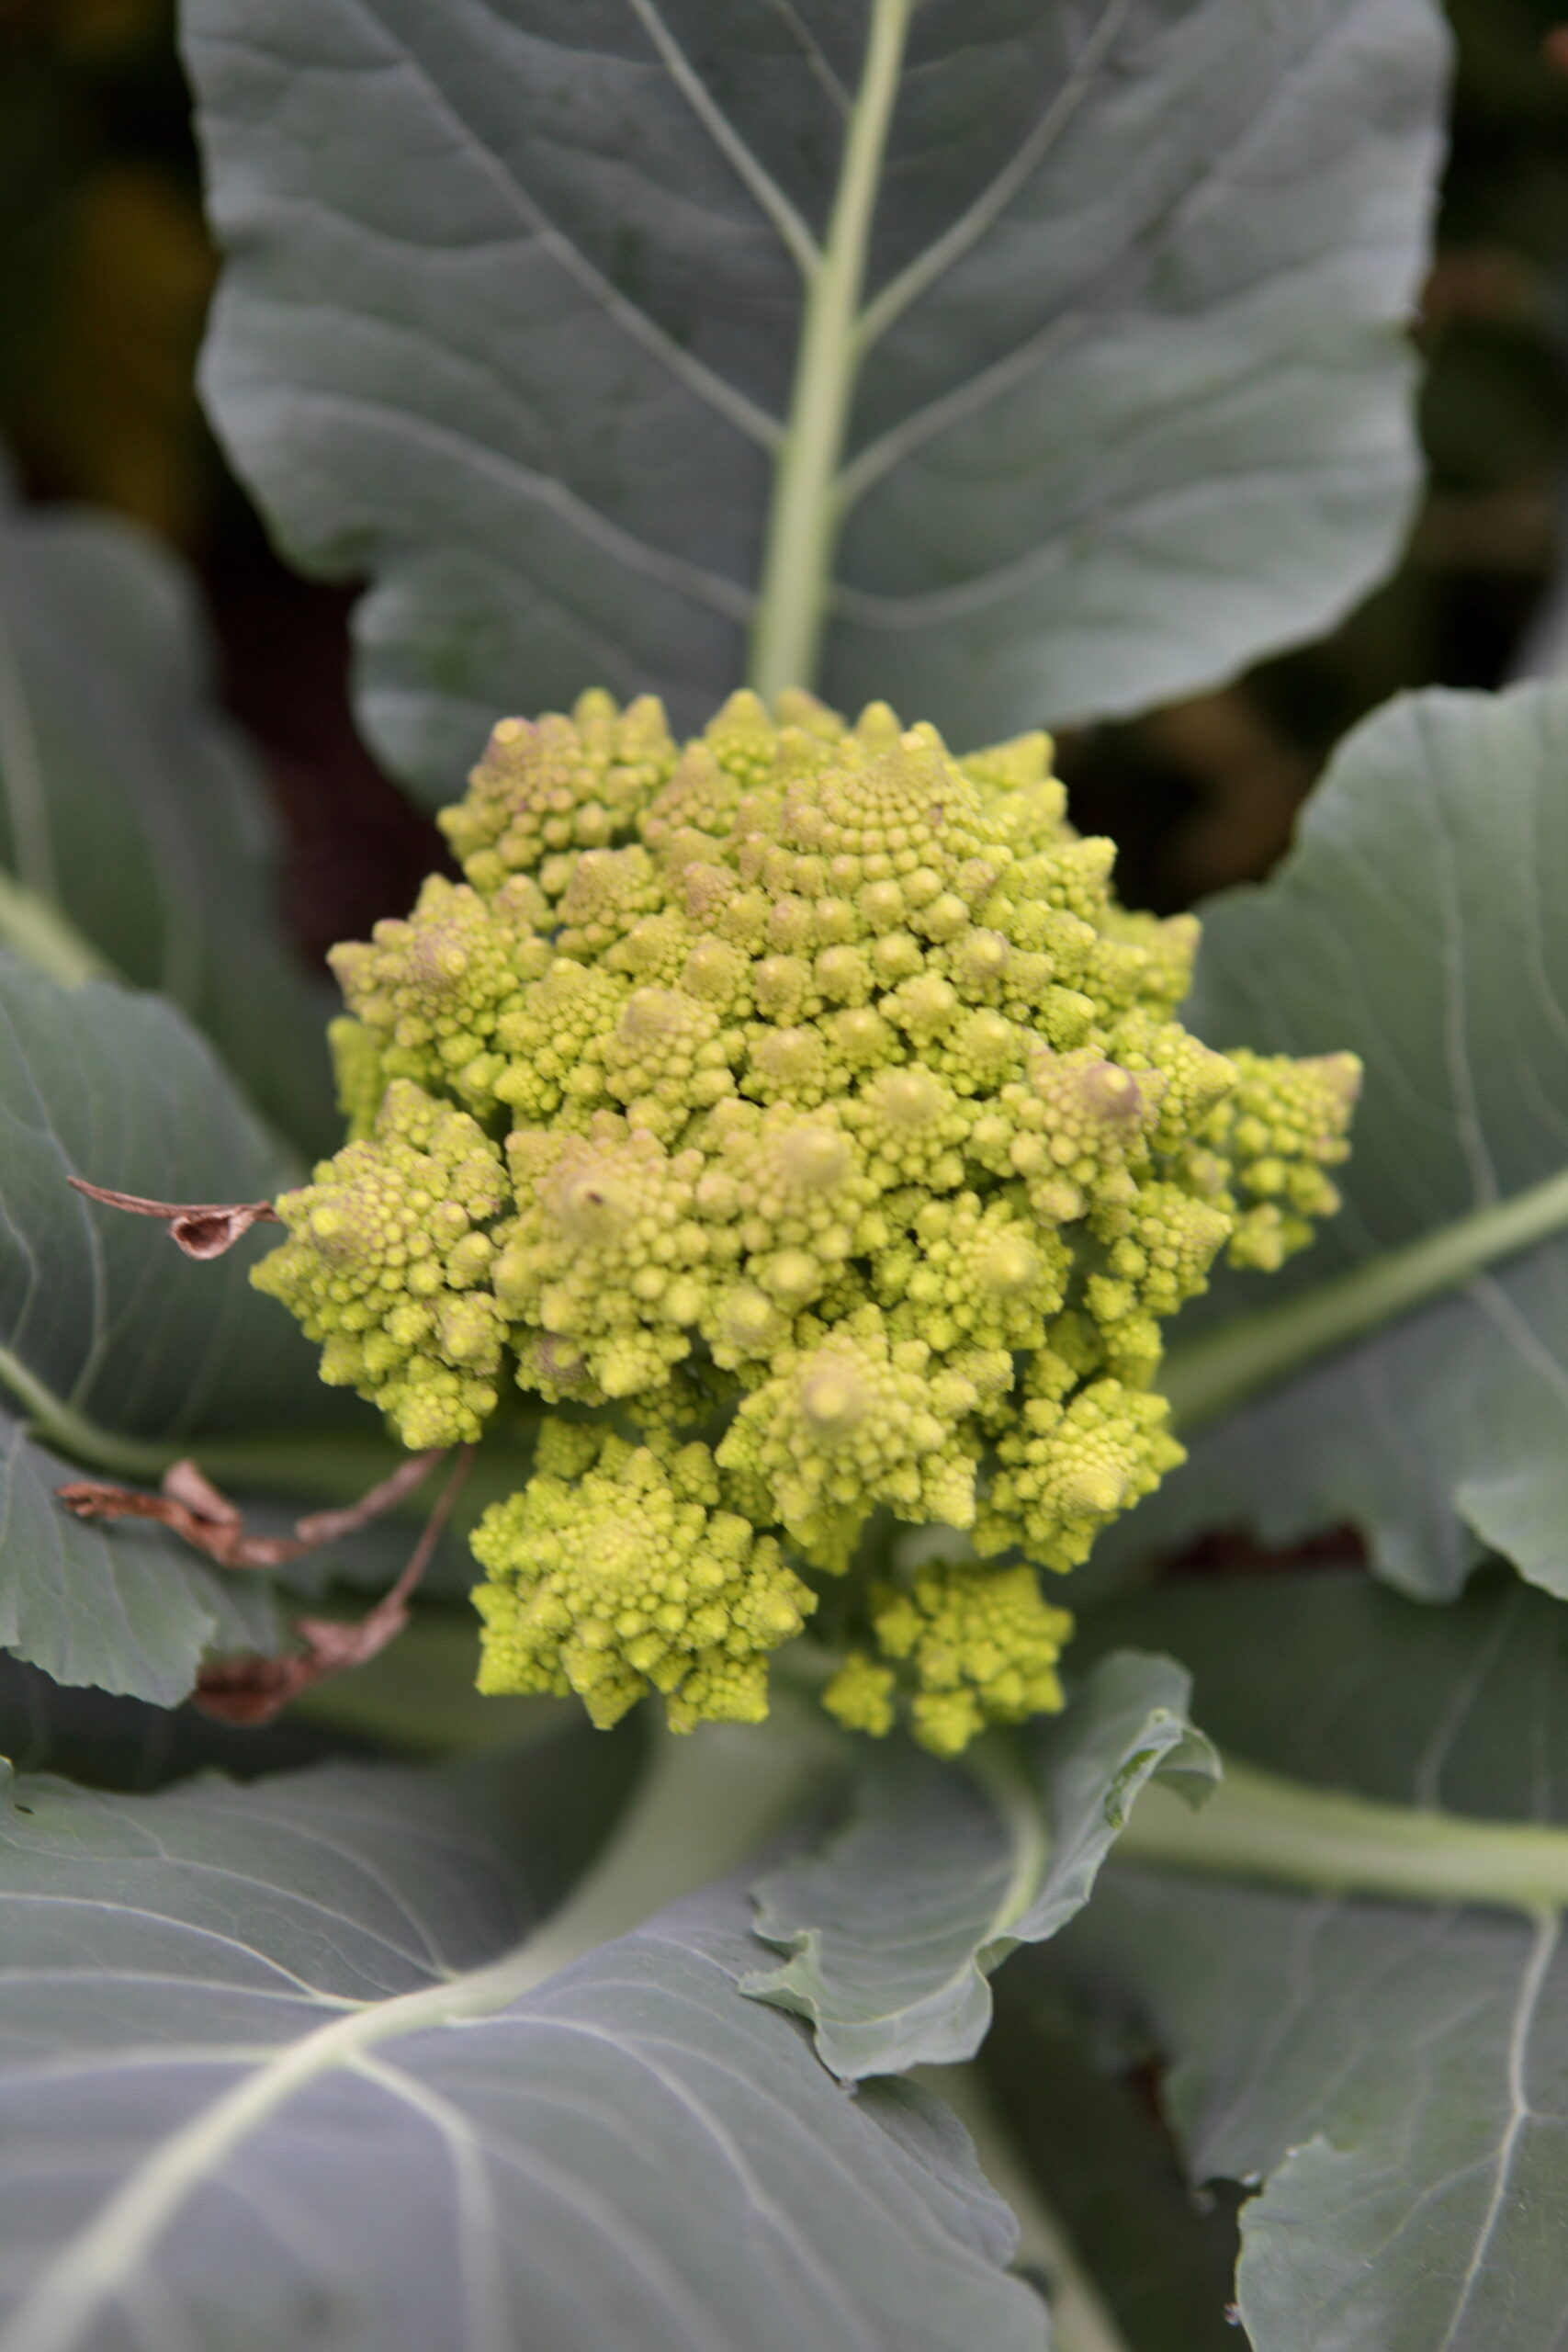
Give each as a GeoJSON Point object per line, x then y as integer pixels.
{"type": "Point", "coordinates": [131, 805]}
{"type": "Point", "coordinates": [125, 1609]}
{"type": "Point", "coordinates": [1395, 2077]}
{"type": "Point", "coordinates": [1459, 1708]}
{"type": "Point", "coordinates": [941, 1871]}
{"type": "Point", "coordinates": [1076, 325]}
{"type": "Point", "coordinates": [114, 1345]}
{"type": "Point", "coordinates": [1392, 2074]}
{"type": "Point", "coordinates": [1419, 920]}
{"type": "Point", "coordinates": [278, 2073]}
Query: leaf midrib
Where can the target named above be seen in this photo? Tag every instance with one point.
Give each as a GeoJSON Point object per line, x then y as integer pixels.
{"type": "Point", "coordinates": [1228, 1365]}
{"type": "Point", "coordinates": [85, 2274]}
{"type": "Point", "coordinates": [1532, 1983]}
{"type": "Point", "coordinates": [1264, 1827]}
{"type": "Point", "coordinates": [797, 561]}
{"type": "Point", "coordinates": [708, 1822]}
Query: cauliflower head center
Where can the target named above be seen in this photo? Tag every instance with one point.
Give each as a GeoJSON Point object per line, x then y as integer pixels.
{"type": "Point", "coordinates": [793, 1115]}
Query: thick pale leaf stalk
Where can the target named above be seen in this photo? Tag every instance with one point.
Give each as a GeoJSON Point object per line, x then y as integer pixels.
{"type": "Point", "coordinates": [1287, 1833]}
{"type": "Point", "coordinates": [709, 1800]}
{"type": "Point", "coordinates": [1223, 1369]}
{"type": "Point", "coordinates": [53, 1422]}
{"type": "Point", "coordinates": [796, 571]}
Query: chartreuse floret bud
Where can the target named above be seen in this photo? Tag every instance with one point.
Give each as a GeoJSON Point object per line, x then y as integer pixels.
{"type": "Point", "coordinates": [1270, 1138]}
{"type": "Point", "coordinates": [615, 1572]}
{"type": "Point", "coordinates": [432, 992]}
{"type": "Point", "coordinates": [798, 1102]}
{"type": "Point", "coordinates": [388, 1264]}
{"type": "Point", "coordinates": [981, 1645]}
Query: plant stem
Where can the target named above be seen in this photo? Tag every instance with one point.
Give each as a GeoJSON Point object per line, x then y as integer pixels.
{"type": "Point", "coordinates": [1213, 1374]}
{"type": "Point", "coordinates": [801, 527]}
{"type": "Point", "coordinates": [1258, 1825]}
{"type": "Point", "coordinates": [707, 1801]}
{"type": "Point", "coordinates": [55, 1423]}
{"type": "Point", "coordinates": [309, 1463]}
{"type": "Point", "coordinates": [337, 1466]}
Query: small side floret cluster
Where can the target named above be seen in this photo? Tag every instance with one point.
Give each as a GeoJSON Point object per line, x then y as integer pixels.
{"type": "Point", "coordinates": [795, 1114]}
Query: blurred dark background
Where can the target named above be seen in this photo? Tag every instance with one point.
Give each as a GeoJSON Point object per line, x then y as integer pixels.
{"type": "Point", "coordinates": [106, 271]}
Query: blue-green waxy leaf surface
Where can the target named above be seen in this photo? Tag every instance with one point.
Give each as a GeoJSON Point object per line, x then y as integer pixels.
{"type": "Point", "coordinates": [516, 297]}
{"type": "Point", "coordinates": [1393, 2077]}
{"type": "Point", "coordinates": [1419, 922]}
{"type": "Point", "coordinates": [941, 1869]}
{"type": "Point", "coordinates": [275, 2072]}
{"type": "Point", "coordinates": [131, 805]}
{"type": "Point", "coordinates": [102, 1323]}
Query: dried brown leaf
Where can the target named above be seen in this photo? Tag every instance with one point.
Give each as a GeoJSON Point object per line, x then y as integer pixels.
{"type": "Point", "coordinates": [251, 1690]}
{"type": "Point", "coordinates": [192, 1508]}
{"type": "Point", "coordinates": [201, 1229]}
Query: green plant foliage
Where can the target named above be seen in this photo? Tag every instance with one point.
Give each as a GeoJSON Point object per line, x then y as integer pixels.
{"type": "Point", "coordinates": [793, 1114]}
{"type": "Point", "coordinates": [349, 2113]}
{"type": "Point", "coordinates": [131, 808]}
{"type": "Point", "coordinates": [110, 1341]}
{"type": "Point", "coordinates": [1471, 1692]}
{"type": "Point", "coordinates": [939, 1873]}
{"type": "Point", "coordinates": [128, 1613]}
{"type": "Point", "coordinates": [1416, 922]}
{"type": "Point", "coordinates": [589, 334]}
{"type": "Point", "coordinates": [1389, 2073]}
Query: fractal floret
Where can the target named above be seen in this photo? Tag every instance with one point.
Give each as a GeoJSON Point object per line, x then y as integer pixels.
{"type": "Point", "coordinates": [795, 1117]}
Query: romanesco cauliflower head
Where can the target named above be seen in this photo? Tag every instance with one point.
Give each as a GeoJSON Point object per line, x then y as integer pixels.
{"type": "Point", "coordinates": [795, 1114]}
{"type": "Point", "coordinates": [615, 1571]}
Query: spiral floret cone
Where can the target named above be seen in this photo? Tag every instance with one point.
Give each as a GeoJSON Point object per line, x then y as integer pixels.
{"type": "Point", "coordinates": [796, 1115]}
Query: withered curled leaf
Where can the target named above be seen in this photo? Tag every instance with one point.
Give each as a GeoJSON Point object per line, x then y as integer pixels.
{"type": "Point", "coordinates": [201, 1229]}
